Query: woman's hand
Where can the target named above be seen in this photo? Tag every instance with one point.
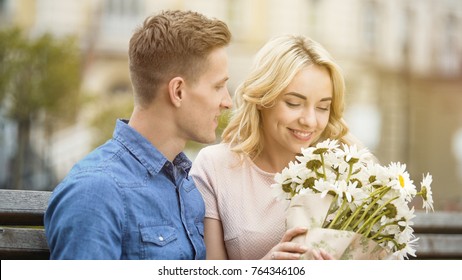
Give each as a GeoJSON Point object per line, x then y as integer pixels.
{"type": "Point", "coordinates": [321, 255]}
{"type": "Point", "coordinates": [287, 250]}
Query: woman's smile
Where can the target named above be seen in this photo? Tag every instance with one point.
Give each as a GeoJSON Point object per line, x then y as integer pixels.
{"type": "Point", "coordinates": [301, 135]}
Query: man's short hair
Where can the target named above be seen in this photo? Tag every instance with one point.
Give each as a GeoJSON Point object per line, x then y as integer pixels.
{"type": "Point", "coordinates": [170, 44]}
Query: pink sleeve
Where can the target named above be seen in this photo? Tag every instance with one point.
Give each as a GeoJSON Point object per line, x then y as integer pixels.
{"type": "Point", "coordinates": [204, 175]}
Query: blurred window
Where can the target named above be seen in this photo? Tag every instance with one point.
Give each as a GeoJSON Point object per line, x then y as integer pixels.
{"type": "Point", "coordinates": [406, 19]}
{"type": "Point", "coordinates": [449, 58]}
{"type": "Point", "coordinates": [122, 8]}
{"type": "Point", "coordinates": [370, 25]}
{"type": "Point", "coordinates": [119, 19]}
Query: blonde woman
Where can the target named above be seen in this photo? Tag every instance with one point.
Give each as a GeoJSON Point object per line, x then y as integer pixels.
{"type": "Point", "coordinates": [293, 98]}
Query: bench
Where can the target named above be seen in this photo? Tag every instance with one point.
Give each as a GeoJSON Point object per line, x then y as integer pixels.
{"type": "Point", "coordinates": [440, 235]}
{"type": "Point", "coordinates": [22, 235]}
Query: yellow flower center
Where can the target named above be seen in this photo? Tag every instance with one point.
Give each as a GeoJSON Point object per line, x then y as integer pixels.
{"type": "Point", "coordinates": [401, 181]}
{"type": "Point", "coordinates": [424, 193]}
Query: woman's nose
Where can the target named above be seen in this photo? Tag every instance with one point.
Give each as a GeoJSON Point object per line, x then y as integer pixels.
{"type": "Point", "coordinates": [308, 117]}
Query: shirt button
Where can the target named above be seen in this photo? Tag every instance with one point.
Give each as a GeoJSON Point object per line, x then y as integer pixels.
{"type": "Point", "coordinates": [161, 238]}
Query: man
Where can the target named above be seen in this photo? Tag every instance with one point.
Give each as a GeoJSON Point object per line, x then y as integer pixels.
{"type": "Point", "coordinates": [132, 198]}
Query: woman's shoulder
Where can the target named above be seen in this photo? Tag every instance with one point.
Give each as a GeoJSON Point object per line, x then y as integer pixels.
{"type": "Point", "coordinates": [216, 150]}
{"type": "Point", "coordinates": [217, 154]}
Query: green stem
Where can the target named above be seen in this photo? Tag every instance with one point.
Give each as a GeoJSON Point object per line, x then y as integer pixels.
{"type": "Point", "coordinates": [330, 211]}
{"type": "Point", "coordinates": [323, 167]}
{"type": "Point", "coordinates": [381, 192]}
{"type": "Point", "coordinates": [375, 236]}
{"type": "Point", "coordinates": [373, 222]}
{"type": "Point", "coordinates": [355, 213]}
{"type": "Point", "coordinates": [339, 213]}
{"type": "Point", "coordinates": [374, 214]}
{"type": "Point", "coordinates": [350, 170]}
{"type": "Point", "coordinates": [397, 246]}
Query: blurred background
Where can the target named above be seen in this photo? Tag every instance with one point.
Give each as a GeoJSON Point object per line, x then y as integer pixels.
{"type": "Point", "coordinates": [64, 77]}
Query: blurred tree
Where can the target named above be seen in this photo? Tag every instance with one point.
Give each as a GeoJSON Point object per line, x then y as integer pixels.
{"type": "Point", "coordinates": [108, 112]}
{"type": "Point", "coordinates": [39, 79]}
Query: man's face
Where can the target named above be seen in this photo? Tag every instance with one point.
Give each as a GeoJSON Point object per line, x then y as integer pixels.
{"type": "Point", "coordinates": [206, 99]}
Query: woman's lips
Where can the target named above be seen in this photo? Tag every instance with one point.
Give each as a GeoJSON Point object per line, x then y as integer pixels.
{"type": "Point", "coordinates": [301, 135]}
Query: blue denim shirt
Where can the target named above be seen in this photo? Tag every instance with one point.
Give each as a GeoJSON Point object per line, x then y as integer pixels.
{"type": "Point", "coordinates": [125, 200]}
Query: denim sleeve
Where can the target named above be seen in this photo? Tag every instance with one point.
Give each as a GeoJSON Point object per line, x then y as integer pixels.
{"type": "Point", "coordinates": [85, 219]}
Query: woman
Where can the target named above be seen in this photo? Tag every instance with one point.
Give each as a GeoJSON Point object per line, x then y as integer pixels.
{"type": "Point", "coordinates": [293, 98]}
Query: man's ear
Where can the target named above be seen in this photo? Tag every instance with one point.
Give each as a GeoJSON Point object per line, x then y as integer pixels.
{"type": "Point", "coordinates": [175, 91]}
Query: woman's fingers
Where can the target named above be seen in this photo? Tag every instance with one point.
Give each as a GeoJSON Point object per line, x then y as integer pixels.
{"type": "Point", "coordinates": [292, 247]}
{"type": "Point", "coordinates": [291, 233]}
{"type": "Point", "coordinates": [285, 256]}
{"type": "Point", "coordinates": [288, 251]}
{"type": "Point", "coordinates": [319, 254]}
{"type": "Point", "coordinates": [325, 255]}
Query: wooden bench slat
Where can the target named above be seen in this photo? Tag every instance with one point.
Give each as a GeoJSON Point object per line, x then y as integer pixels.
{"type": "Point", "coordinates": [23, 207]}
{"type": "Point", "coordinates": [436, 246]}
{"type": "Point", "coordinates": [23, 243]}
{"type": "Point", "coordinates": [438, 222]}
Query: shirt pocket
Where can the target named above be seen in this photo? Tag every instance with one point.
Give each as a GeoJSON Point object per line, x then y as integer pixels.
{"type": "Point", "coordinates": [159, 242]}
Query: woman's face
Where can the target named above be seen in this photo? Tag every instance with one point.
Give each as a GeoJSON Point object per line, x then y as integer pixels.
{"type": "Point", "coordinates": [301, 112]}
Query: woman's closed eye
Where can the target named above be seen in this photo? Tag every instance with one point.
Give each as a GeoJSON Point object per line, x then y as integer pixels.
{"type": "Point", "coordinates": [322, 108]}
{"type": "Point", "coordinates": [292, 104]}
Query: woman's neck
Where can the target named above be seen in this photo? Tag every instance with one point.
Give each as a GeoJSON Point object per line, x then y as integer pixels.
{"type": "Point", "coordinates": [273, 162]}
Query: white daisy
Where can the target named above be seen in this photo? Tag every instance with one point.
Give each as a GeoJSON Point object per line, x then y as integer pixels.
{"type": "Point", "coordinates": [401, 181]}
{"type": "Point", "coordinates": [352, 152]}
{"type": "Point", "coordinates": [426, 192]}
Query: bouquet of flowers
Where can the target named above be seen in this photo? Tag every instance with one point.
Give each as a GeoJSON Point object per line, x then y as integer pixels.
{"type": "Point", "coordinates": [353, 207]}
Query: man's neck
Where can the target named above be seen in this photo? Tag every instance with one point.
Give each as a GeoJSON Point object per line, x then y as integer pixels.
{"type": "Point", "coordinates": [158, 129]}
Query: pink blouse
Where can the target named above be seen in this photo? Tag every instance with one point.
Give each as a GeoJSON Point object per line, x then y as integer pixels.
{"type": "Point", "coordinates": [238, 194]}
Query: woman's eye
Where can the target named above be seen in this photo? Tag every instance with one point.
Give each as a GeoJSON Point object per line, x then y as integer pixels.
{"type": "Point", "coordinates": [290, 104]}
{"type": "Point", "coordinates": [324, 108]}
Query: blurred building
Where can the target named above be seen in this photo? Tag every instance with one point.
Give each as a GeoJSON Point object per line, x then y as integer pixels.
{"type": "Point", "coordinates": [402, 61]}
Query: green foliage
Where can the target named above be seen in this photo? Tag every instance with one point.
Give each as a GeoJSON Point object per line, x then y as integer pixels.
{"type": "Point", "coordinates": [37, 75]}
{"type": "Point", "coordinates": [104, 121]}
{"type": "Point", "coordinates": [39, 82]}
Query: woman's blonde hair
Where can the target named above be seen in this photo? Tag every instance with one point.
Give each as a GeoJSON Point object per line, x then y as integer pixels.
{"type": "Point", "coordinates": [275, 66]}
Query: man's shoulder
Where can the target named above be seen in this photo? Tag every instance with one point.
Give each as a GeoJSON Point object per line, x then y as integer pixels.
{"type": "Point", "coordinates": [93, 169]}
{"type": "Point", "coordinates": [102, 159]}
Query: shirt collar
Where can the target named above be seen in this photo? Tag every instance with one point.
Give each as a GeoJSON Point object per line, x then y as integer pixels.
{"type": "Point", "coordinates": [144, 151]}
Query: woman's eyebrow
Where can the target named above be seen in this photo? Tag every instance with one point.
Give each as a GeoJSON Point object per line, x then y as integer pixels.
{"type": "Point", "coordinates": [296, 95]}
{"type": "Point", "coordinates": [301, 96]}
